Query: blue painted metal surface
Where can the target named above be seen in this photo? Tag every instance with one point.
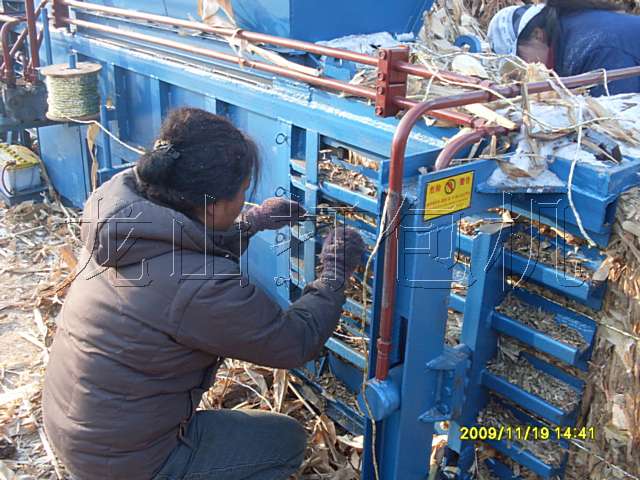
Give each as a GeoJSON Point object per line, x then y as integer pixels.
{"type": "Point", "coordinates": [571, 355]}
{"type": "Point", "coordinates": [554, 277]}
{"type": "Point", "coordinates": [514, 450]}
{"type": "Point", "coordinates": [315, 21]}
{"type": "Point", "coordinates": [46, 38]}
{"type": "Point", "coordinates": [544, 409]}
{"type": "Point", "coordinates": [298, 129]}
{"type": "Point", "coordinates": [301, 19]}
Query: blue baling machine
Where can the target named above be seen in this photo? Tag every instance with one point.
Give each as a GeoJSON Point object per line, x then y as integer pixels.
{"type": "Point", "coordinates": [428, 264]}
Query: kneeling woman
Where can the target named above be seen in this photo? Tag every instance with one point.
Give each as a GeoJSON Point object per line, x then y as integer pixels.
{"type": "Point", "coordinates": [161, 300]}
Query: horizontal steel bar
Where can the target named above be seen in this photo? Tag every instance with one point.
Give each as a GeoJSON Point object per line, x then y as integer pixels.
{"type": "Point", "coordinates": [525, 458]}
{"type": "Point", "coordinates": [546, 275]}
{"type": "Point", "coordinates": [357, 308]}
{"type": "Point", "coordinates": [551, 277]}
{"type": "Point", "coordinates": [324, 82]}
{"type": "Point", "coordinates": [526, 400]}
{"type": "Point", "coordinates": [298, 166]}
{"type": "Point", "coordinates": [346, 352]}
{"type": "Point", "coordinates": [457, 302]}
{"type": "Point", "coordinates": [349, 197]}
{"type": "Point", "coordinates": [367, 172]}
{"type": "Point", "coordinates": [336, 409]}
{"type": "Point", "coordinates": [309, 47]}
{"type": "Point", "coordinates": [538, 340]}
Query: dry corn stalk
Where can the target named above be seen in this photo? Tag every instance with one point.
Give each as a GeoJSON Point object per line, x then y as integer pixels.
{"type": "Point", "coordinates": [612, 398]}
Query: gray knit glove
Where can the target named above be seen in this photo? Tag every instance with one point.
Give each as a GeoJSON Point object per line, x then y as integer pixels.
{"type": "Point", "coordinates": [340, 256]}
{"type": "Point", "coordinates": [274, 213]}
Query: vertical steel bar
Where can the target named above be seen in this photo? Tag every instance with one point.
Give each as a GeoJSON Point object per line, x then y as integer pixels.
{"type": "Point", "coordinates": [44, 18]}
{"type": "Point", "coordinates": [106, 139]}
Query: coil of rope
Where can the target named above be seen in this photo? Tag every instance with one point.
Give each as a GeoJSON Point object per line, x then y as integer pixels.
{"type": "Point", "coordinates": [72, 91]}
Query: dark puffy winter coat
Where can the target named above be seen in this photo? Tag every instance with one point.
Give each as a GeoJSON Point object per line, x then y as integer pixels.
{"type": "Point", "coordinates": [157, 304]}
{"type": "Point", "coordinates": [595, 40]}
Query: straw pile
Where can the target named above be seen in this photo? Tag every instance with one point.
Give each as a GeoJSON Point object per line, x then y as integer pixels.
{"type": "Point", "coordinates": [611, 403]}
{"type": "Point", "coordinates": [37, 245]}
{"type": "Point", "coordinates": [612, 400]}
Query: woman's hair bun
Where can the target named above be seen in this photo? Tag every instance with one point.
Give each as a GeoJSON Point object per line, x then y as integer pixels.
{"type": "Point", "coordinates": [157, 166]}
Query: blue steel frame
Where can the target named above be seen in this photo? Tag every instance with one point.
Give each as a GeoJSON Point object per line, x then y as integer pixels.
{"type": "Point", "coordinates": [291, 122]}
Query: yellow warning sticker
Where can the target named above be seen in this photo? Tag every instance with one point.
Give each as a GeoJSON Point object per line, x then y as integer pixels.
{"type": "Point", "coordinates": [448, 195]}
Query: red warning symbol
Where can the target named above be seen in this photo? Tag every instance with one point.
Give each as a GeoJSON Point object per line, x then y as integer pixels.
{"type": "Point", "coordinates": [450, 186]}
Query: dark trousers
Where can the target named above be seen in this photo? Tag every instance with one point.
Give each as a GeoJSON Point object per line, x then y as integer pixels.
{"type": "Point", "coordinates": [237, 445]}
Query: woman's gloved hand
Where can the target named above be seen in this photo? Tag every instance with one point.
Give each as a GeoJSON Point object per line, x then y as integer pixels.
{"type": "Point", "coordinates": [273, 213]}
{"type": "Point", "coordinates": [341, 254]}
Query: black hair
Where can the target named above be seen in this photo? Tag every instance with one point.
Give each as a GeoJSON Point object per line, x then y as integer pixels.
{"type": "Point", "coordinates": [197, 155]}
{"type": "Point", "coordinates": [549, 17]}
{"type": "Point", "coordinates": [548, 20]}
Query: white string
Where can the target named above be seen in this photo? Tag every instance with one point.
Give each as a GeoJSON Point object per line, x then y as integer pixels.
{"type": "Point", "coordinates": [550, 128]}
{"type": "Point", "coordinates": [240, 48]}
{"type": "Point", "coordinates": [106, 130]}
{"type": "Point", "coordinates": [570, 183]}
{"type": "Point", "coordinates": [365, 376]}
{"type": "Point", "coordinates": [606, 82]}
{"type": "Point", "coordinates": [602, 459]}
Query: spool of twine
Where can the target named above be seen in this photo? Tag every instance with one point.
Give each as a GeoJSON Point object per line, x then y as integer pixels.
{"type": "Point", "coordinates": [72, 92]}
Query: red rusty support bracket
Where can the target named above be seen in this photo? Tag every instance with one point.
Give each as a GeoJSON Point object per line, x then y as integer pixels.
{"type": "Point", "coordinates": [391, 83]}
{"type": "Point", "coordinates": [18, 44]}
{"type": "Point", "coordinates": [31, 73]}
{"type": "Point", "coordinates": [59, 11]}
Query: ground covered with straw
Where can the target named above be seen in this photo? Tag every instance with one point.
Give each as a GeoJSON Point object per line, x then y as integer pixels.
{"type": "Point", "coordinates": [38, 245]}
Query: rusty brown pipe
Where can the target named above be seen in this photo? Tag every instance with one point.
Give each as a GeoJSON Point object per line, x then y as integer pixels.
{"type": "Point", "coordinates": [7, 67]}
{"type": "Point", "coordinates": [466, 140]}
{"type": "Point", "coordinates": [32, 34]}
{"type": "Point", "coordinates": [23, 34]}
{"type": "Point", "coordinates": [328, 83]}
{"type": "Point", "coordinates": [40, 40]}
{"type": "Point", "coordinates": [457, 144]}
{"type": "Point", "coordinates": [453, 116]}
{"type": "Point", "coordinates": [418, 71]}
{"type": "Point", "coordinates": [271, 40]}
{"type": "Point", "coordinates": [398, 149]}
